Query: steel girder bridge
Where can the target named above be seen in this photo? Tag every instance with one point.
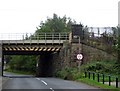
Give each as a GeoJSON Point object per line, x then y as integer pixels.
{"type": "Point", "coordinates": [30, 44]}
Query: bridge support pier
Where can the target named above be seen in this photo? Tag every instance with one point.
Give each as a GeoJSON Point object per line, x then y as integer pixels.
{"type": "Point", "coordinates": [1, 61]}
{"type": "Point", "coordinates": [45, 65]}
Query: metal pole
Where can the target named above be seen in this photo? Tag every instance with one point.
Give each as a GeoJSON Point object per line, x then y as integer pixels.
{"type": "Point", "coordinates": [85, 74]}
{"type": "Point", "coordinates": [116, 82]}
{"type": "Point", "coordinates": [118, 44]}
{"type": "Point", "coordinates": [98, 77]}
{"type": "Point", "coordinates": [79, 44]}
{"type": "Point", "coordinates": [59, 38]}
{"type": "Point", "coordinates": [109, 80]}
{"type": "Point", "coordinates": [103, 79]}
{"type": "Point", "coordinates": [79, 53]}
{"type": "Point", "coordinates": [93, 76]}
{"type": "Point", "coordinates": [89, 75]}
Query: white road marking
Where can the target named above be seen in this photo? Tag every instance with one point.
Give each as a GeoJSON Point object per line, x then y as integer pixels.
{"type": "Point", "coordinates": [51, 89]}
{"type": "Point", "coordinates": [38, 78]}
{"type": "Point", "coordinates": [44, 82]}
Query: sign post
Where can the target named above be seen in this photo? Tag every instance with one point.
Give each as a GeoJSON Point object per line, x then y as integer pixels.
{"type": "Point", "coordinates": [79, 57]}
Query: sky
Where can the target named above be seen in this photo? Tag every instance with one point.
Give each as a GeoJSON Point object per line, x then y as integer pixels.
{"type": "Point", "coordinates": [23, 16]}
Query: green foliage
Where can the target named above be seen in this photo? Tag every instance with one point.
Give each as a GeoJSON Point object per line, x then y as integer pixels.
{"type": "Point", "coordinates": [103, 66]}
{"type": "Point", "coordinates": [20, 72]}
{"type": "Point", "coordinates": [55, 24]}
{"type": "Point", "coordinates": [108, 67]}
{"type": "Point", "coordinates": [99, 85]}
{"type": "Point", "coordinates": [69, 74]}
{"type": "Point", "coordinates": [23, 63]}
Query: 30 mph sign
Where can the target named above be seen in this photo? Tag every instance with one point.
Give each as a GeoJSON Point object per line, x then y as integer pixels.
{"type": "Point", "coordinates": [79, 56]}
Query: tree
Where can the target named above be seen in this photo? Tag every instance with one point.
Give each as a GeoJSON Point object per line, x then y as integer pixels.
{"type": "Point", "coordinates": [55, 24]}
{"type": "Point", "coordinates": [23, 63]}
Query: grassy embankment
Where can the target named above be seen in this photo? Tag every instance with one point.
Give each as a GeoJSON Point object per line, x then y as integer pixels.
{"type": "Point", "coordinates": [102, 67]}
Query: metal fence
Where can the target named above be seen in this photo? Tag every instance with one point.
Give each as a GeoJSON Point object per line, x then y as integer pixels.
{"type": "Point", "coordinates": [105, 79]}
{"type": "Point", "coordinates": [100, 37]}
{"type": "Point", "coordinates": [34, 36]}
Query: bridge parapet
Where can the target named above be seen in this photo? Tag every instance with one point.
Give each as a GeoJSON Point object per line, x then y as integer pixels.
{"type": "Point", "coordinates": [34, 38]}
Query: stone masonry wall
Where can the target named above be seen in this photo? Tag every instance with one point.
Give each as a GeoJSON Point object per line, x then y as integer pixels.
{"type": "Point", "coordinates": [91, 53]}
{"type": "Point", "coordinates": [67, 56]}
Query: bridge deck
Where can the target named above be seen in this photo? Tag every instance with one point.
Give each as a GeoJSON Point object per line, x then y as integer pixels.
{"type": "Point", "coordinates": [41, 38]}
{"type": "Point", "coordinates": [32, 41]}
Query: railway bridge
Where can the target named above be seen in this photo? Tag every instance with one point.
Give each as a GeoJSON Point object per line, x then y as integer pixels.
{"type": "Point", "coordinates": [43, 44]}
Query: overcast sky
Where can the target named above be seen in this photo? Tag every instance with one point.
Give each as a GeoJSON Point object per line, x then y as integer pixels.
{"type": "Point", "coordinates": [23, 16]}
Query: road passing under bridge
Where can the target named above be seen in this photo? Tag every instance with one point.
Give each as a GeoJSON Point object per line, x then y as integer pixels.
{"type": "Point", "coordinates": [40, 84]}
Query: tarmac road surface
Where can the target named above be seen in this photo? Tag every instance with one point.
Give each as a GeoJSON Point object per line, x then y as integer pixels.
{"type": "Point", "coordinates": [25, 83]}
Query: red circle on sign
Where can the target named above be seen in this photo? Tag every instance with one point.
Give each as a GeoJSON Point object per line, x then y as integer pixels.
{"type": "Point", "coordinates": [79, 56]}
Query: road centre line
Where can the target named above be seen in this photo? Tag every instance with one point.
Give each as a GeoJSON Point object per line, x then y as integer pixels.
{"type": "Point", "coordinates": [44, 82]}
{"type": "Point", "coordinates": [51, 89]}
{"type": "Point", "coordinates": [38, 78]}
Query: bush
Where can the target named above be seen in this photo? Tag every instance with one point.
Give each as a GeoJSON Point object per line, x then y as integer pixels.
{"type": "Point", "coordinates": [69, 74]}
{"type": "Point", "coordinates": [104, 66]}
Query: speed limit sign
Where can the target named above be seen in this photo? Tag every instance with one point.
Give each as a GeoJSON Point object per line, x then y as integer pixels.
{"type": "Point", "coordinates": [79, 56]}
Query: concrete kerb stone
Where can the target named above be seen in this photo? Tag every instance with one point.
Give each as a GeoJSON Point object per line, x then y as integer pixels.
{"type": "Point", "coordinates": [3, 80]}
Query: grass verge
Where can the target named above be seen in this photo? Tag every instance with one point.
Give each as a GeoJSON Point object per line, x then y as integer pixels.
{"type": "Point", "coordinates": [73, 74]}
{"type": "Point", "coordinates": [19, 72]}
{"type": "Point", "coordinates": [97, 84]}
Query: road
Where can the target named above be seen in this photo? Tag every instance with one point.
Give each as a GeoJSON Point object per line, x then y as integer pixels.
{"type": "Point", "coordinates": [41, 84]}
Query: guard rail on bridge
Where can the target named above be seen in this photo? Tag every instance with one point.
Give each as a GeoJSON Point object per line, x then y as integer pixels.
{"type": "Point", "coordinates": [34, 38]}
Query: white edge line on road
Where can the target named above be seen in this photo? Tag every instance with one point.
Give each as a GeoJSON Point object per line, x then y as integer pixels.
{"type": "Point", "coordinates": [44, 82]}
{"type": "Point", "coordinates": [38, 78]}
{"type": "Point", "coordinates": [51, 89]}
